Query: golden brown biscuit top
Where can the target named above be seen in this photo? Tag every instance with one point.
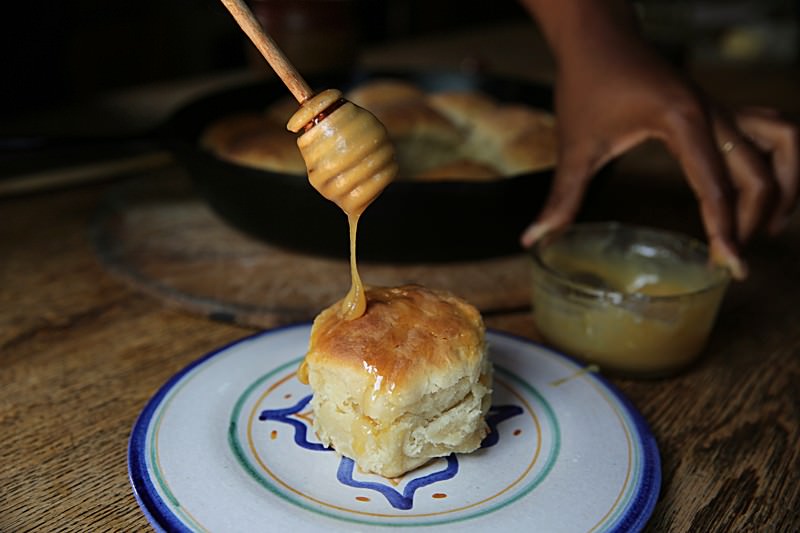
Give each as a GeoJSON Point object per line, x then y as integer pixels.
{"type": "Point", "coordinates": [381, 92]}
{"type": "Point", "coordinates": [254, 140]}
{"type": "Point", "coordinates": [405, 332]}
{"type": "Point", "coordinates": [430, 131]}
{"type": "Point", "coordinates": [459, 170]}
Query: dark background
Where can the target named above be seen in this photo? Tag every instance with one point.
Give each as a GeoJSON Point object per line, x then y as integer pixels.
{"type": "Point", "coordinates": [58, 52]}
{"type": "Point", "coordinates": [54, 52]}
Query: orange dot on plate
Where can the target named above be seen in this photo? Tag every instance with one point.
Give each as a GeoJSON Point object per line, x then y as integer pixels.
{"type": "Point", "coordinates": [362, 498]}
{"type": "Point", "coordinates": [517, 431]}
{"type": "Point", "coordinates": [274, 434]}
{"type": "Point", "coordinates": [439, 495]}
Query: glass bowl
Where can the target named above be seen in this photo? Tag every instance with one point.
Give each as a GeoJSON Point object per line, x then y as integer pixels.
{"type": "Point", "coordinates": [634, 301]}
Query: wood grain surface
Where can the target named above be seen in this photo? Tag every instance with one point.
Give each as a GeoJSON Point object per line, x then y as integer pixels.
{"type": "Point", "coordinates": [154, 233]}
{"type": "Point", "coordinates": [82, 350]}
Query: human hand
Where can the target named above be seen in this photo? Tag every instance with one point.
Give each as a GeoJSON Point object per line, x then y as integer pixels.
{"type": "Point", "coordinates": [743, 167]}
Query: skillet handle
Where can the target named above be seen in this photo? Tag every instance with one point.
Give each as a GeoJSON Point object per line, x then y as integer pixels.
{"type": "Point", "coordinates": [37, 164]}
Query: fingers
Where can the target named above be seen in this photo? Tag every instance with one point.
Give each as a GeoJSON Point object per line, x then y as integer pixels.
{"type": "Point", "coordinates": [753, 181]}
{"type": "Point", "coordinates": [690, 139]}
{"type": "Point", "coordinates": [572, 177]}
{"type": "Point", "coordinates": [744, 169]}
{"type": "Point", "coordinates": [781, 139]}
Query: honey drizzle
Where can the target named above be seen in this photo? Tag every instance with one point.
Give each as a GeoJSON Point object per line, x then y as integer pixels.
{"type": "Point", "coordinates": [355, 303]}
{"type": "Point", "coordinates": [368, 167]}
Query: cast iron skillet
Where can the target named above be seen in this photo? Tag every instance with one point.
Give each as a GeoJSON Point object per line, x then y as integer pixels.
{"type": "Point", "coordinates": [409, 222]}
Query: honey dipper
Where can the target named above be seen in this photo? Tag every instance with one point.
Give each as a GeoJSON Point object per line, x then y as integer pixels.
{"type": "Point", "coordinates": [347, 151]}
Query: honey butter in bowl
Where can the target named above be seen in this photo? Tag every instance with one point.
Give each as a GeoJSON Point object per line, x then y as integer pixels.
{"type": "Point", "coordinates": [634, 301]}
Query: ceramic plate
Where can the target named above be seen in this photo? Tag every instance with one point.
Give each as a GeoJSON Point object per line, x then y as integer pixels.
{"type": "Point", "coordinates": [227, 445]}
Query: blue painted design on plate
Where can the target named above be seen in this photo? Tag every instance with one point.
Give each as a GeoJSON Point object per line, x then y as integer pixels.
{"type": "Point", "coordinates": [300, 428]}
{"type": "Point", "coordinates": [344, 474]}
{"type": "Point", "coordinates": [396, 499]}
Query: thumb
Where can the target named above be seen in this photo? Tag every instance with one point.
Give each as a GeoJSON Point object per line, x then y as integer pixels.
{"type": "Point", "coordinates": [571, 179]}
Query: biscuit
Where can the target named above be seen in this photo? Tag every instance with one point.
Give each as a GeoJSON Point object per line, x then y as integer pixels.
{"type": "Point", "coordinates": [406, 382]}
{"type": "Point", "coordinates": [449, 135]}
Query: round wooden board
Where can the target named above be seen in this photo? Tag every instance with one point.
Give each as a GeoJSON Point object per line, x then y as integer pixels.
{"type": "Point", "coordinates": [156, 234]}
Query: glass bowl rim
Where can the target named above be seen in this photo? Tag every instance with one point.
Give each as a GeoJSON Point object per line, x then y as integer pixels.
{"type": "Point", "coordinates": [718, 275]}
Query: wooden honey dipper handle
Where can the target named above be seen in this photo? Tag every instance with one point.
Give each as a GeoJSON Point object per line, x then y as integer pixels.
{"type": "Point", "coordinates": [269, 49]}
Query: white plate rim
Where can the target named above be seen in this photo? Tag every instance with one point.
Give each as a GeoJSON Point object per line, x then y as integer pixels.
{"type": "Point", "coordinates": [161, 518]}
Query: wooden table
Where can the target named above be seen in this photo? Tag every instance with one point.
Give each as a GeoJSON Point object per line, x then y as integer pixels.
{"type": "Point", "coordinates": [81, 352]}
